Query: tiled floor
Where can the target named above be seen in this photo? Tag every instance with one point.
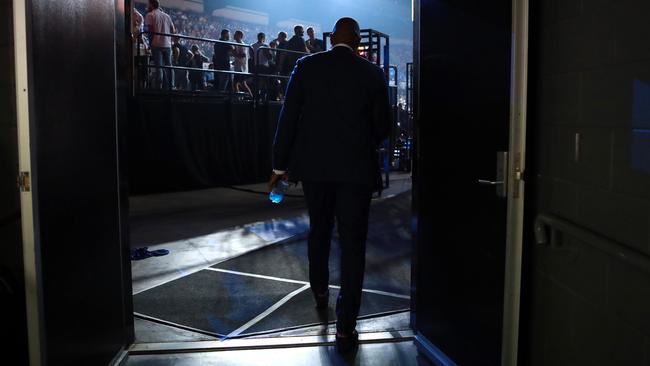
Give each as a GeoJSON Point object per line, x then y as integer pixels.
{"type": "Point", "coordinates": [198, 224]}
{"type": "Point", "coordinates": [194, 254]}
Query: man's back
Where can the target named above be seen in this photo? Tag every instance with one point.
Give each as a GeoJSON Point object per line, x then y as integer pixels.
{"type": "Point", "coordinates": [184, 54]}
{"type": "Point", "coordinates": [221, 56]}
{"type": "Point", "coordinates": [296, 43]}
{"type": "Point", "coordinates": [315, 45]}
{"type": "Point", "coordinates": [335, 115]}
{"type": "Point", "coordinates": [262, 55]}
{"type": "Point", "coordinates": [159, 22]}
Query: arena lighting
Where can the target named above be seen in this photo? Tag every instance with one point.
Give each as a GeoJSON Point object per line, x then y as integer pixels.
{"type": "Point", "coordinates": [242, 15]}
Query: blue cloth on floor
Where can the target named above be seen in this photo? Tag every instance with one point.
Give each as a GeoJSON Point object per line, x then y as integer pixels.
{"type": "Point", "coordinates": [142, 253]}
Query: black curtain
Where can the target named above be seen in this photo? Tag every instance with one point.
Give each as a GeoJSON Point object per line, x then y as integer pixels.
{"type": "Point", "coordinates": [180, 144]}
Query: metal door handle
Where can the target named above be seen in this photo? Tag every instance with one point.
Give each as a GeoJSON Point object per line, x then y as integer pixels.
{"type": "Point", "coordinates": [501, 181]}
{"type": "Point", "coordinates": [489, 182]}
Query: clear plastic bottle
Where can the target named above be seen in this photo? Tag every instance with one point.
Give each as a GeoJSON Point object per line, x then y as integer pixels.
{"type": "Point", "coordinates": [277, 193]}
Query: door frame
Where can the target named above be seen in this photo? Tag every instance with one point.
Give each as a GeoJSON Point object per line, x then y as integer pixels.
{"type": "Point", "coordinates": [28, 208]}
{"type": "Point", "coordinates": [515, 188]}
{"type": "Point", "coordinates": [516, 185]}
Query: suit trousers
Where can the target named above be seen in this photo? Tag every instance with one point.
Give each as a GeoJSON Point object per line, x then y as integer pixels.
{"type": "Point", "coordinates": [349, 205]}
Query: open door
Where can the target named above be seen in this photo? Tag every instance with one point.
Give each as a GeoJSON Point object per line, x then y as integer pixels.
{"type": "Point", "coordinates": [468, 186]}
{"type": "Point", "coordinates": [76, 263]}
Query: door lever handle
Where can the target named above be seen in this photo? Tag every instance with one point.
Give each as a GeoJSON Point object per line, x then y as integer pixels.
{"type": "Point", "coordinates": [501, 179]}
{"type": "Point", "coordinates": [489, 182]}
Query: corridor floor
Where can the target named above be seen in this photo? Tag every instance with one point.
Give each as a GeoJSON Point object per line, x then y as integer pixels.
{"type": "Point", "coordinates": [237, 231]}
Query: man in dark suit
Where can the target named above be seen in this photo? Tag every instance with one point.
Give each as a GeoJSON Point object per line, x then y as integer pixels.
{"type": "Point", "coordinates": [335, 116]}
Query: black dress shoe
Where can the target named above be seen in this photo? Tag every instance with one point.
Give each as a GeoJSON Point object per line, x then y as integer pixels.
{"type": "Point", "coordinates": [347, 343]}
{"type": "Point", "coordinates": [322, 300]}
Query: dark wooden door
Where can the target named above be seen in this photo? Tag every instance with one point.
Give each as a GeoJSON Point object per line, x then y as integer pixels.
{"type": "Point", "coordinates": [78, 275]}
{"type": "Point", "coordinates": [463, 67]}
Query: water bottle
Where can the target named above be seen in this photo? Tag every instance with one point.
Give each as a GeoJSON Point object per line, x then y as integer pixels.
{"type": "Point", "coordinates": [277, 194]}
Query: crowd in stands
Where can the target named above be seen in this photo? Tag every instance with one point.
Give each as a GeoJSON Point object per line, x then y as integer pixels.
{"type": "Point", "coordinates": [227, 57]}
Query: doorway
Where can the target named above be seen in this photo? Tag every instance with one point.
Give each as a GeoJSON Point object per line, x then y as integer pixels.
{"type": "Point", "coordinates": [61, 204]}
{"type": "Point", "coordinates": [237, 265]}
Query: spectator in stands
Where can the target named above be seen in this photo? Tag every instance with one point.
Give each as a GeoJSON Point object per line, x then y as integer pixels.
{"type": "Point", "coordinates": [272, 53]}
{"type": "Point", "coordinates": [296, 44]}
{"type": "Point", "coordinates": [221, 60]}
{"type": "Point", "coordinates": [182, 58]}
{"type": "Point", "coordinates": [137, 26]}
{"type": "Point", "coordinates": [197, 78]}
{"type": "Point", "coordinates": [262, 57]}
{"type": "Point", "coordinates": [158, 21]}
{"type": "Point", "coordinates": [198, 24]}
{"type": "Point", "coordinates": [241, 54]}
{"type": "Point", "coordinates": [281, 40]}
{"type": "Point", "coordinates": [274, 87]}
{"type": "Point", "coordinates": [261, 63]}
{"type": "Point", "coordinates": [314, 44]}
{"type": "Point", "coordinates": [286, 60]}
{"type": "Point", "coordinates": [137, 22]}
{"type": "Point", "coordinates": [140, 46]}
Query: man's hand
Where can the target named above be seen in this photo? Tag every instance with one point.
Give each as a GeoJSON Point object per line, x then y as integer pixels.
{"type": "Point", "coordinates": [275, 178]}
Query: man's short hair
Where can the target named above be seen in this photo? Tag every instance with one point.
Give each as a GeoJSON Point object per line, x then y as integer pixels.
{"type": "Point", "coordinates": [295, 29]}
{"type": "Point", "coordinates": [238, 32]}
{"type": "Point", "coordinates": [260, 35]}
{"type": "Point", "coordinates": [282, 34]}
{"type": "Point", "coordinates": [154, 3]}
{"type": "Point", "coordinates": [310, 29]}
{"type": "Point", "coordinates": [224, 31]}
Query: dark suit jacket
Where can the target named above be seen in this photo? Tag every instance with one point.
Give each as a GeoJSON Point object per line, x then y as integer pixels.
{"type": "Point", "coordinates": [335, 115]}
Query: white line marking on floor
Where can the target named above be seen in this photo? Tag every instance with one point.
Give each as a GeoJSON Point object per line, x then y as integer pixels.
{"type": "Point", "coordinates": [378, 292]}
{"type": "Point", "coordinates": [266, 312]}
{"type": "Point", "coordinates": [176, 325]}
{"type": "Point", "coordinates": [257, 276]}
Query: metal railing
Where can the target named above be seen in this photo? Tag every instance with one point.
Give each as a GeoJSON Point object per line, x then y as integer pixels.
{"type": "Point", "coordinates": [409, 87]}
{"type": "Point", "coordinates": [256, 75]}
{"type": "Point", "coordinates": [141, 70]}
{"type": "Point", "coordinates": [385, 151]}
{"type": "Point", "coordinates": [557, 226]}
{"type": "Point", "coordinates": [391, 81]}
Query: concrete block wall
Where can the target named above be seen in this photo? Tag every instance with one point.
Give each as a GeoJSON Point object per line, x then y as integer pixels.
{"type": "Point", "coordinates": [589, 126]}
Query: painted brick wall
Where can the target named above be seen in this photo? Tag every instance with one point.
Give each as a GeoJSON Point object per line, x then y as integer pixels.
{"type": "Point", "coordinates": [590, 77]}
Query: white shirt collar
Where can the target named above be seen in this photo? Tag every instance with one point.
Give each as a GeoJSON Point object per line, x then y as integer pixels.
{"type": "Point", "coordinates": [343, 45]}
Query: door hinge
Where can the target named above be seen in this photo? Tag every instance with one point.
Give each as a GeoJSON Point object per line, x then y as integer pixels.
{"type": "Point", "coordinates": [518, 175]}
{"type": "Point", "coordinates": [24, 183]}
